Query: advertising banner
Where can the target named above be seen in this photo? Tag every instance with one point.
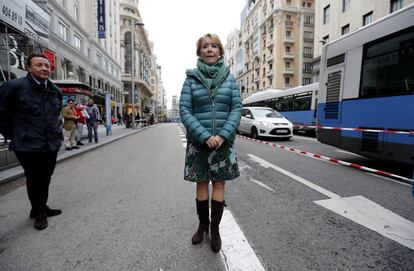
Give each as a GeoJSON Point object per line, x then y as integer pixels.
{"type": "Point", "coordinates": [101, 19]}
{"type": "Point", "coordinates": [27, 17]}
{"type": "Point", "coordinates": [52, 59]}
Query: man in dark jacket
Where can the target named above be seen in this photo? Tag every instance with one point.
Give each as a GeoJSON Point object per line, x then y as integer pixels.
{"type": "Point", "coordinates": [30, 109]}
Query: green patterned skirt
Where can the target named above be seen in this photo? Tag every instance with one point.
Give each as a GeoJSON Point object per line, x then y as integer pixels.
{"type": "Point", "coordinates": [204, 164]}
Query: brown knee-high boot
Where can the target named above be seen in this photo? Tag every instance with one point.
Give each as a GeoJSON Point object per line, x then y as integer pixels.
{"type": "Point", "coordinates": [216, 214]}
{"type": "Point", "coordinates": [203, 216]}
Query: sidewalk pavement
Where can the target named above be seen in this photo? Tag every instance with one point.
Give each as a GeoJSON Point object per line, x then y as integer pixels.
{"type": "Point", "coordinates": [118, 132]}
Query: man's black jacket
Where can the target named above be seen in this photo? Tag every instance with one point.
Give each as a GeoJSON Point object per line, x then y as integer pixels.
{"type": "Point", "coordinates": [30, 115]}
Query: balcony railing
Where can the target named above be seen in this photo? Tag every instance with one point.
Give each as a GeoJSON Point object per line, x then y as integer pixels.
{"type": "Point", "coordinates": [288, 40]}
{"type": "Point", "coordinates": [289, 23]}
{"type": "Point", "coordinates": [288, 71]}
{"type": "Point", "coordinates": [288, 56]}
{"type": "Point", "coordinates": [307, 55]}
{"type": "Point", "coordinates": [270, 58]}
{"type": "Point", "coordinates": [269, 73]}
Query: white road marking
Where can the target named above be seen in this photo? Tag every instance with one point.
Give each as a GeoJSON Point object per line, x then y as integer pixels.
{"type": "Point", "coordinates": [358, 209]}
{"type": "Point", "coordinates": [236, 252]}
{"type": "Point", "coordinates": [373, 216]}
{"type": "Point", "coordinates": [266, 164]}
{"type": "Point", "coordinates": [388, 179]}
{"type": "Point", "coordinates": [262, 185]}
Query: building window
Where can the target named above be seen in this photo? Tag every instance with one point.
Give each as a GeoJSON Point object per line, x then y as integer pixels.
{"type": "Point", "coordinates": [306, 81]}
{"type": "Point", "coordinates": [287, 65]}
{"type": "Point", "coordinates": [288, 34]}
{"type": "Point", "coordinates": [326, 14]}
{"type": "Point", "coordinates": [76, 11]}
{"type": "Point", "coordinates": [367, 18]}
{"type": "Point", "coordinates": [307, 66]}
{"type": "Point", "coordinates": [287, 81]}
{"type": "Point", "coordinates": [307, 52]}
{"type": "Point", "coordinates": [78, 42]}
{"type": "Point", "coordinates": [395, 5]}
{"type": "Point", "coordinates": [308, 20]}
{"type": "Point", "coordinates": [287, 49]}
{"type": "Point", "coordinates": [288, 2]}
{"type": "Point", "coordinates": [345, 5]}
{"type": "Point", "coordinates": [63, 31]}
{"type": "Point", "coordinates": [308, 36]}
{"type": "Point", "coordinates": [98, 59]}
{"type": "Point", "coordinates": [345, 29]}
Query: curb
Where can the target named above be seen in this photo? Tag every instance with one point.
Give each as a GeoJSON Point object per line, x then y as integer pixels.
{"type": "Point", "coordinates": [17, 171]}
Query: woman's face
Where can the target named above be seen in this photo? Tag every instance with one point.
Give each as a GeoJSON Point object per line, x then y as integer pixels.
{"type": "Point", "coordinates": [209, 52]}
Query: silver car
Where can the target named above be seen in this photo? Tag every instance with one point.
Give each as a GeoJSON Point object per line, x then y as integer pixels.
{"type": "Point", "coordinates": [264, 121]}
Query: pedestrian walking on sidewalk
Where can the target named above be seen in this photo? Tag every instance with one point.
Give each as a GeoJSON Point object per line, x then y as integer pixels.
{"type": "Point", "coordinates": [210, 109]}
{"type": "Point", "coordinates": [83, 115]}
{"type": "Point", "coordinates": [92, 122]}
{"type": "Point", "coordinates": [30, 110]}
{"type": "Point", "coordinates": [69, 125]}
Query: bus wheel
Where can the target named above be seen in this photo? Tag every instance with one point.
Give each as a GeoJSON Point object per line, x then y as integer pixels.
{"type": "Point", "coordinates": [254, 133]}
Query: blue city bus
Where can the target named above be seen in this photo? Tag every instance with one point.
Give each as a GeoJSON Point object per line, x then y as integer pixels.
{"type": "Point", "coordinates": [296, 104]}
{"type": "Point", "coordinates": [367, 83]}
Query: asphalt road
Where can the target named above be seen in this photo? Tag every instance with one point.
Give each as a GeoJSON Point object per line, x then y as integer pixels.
{"type": "Point", "coordinates": [126, 207]}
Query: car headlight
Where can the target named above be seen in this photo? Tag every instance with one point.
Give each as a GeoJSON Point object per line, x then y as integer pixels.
{"type": "Point", "coordinates": [266, 124]}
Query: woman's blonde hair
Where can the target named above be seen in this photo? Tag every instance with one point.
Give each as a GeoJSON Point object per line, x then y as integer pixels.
{"type": "Point", "coordinates": [214, 38]}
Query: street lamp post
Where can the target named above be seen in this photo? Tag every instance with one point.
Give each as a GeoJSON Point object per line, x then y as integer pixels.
{"type": "Point", "coordinates": [133, 71]}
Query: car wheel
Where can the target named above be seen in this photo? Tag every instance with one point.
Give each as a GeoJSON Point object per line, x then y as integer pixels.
{"type": "Point", "coordinates": [254, 133]}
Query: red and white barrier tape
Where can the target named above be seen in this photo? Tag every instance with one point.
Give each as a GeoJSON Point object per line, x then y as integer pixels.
{"type": "Point", "coordinates": [355, 129]}
{"type": "Point", "coordinates": [333, 160]}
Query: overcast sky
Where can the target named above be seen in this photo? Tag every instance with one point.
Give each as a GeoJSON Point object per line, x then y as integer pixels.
{"type": "Point", "coordinates": [174, 27]}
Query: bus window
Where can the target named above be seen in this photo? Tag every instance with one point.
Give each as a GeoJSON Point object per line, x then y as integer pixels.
{"type": "Point", "coordinates": [388, 64]}
{"type": "Point", "coordinates": [286, 103]}
{"type": "Point", "coordinates": [302, 101]}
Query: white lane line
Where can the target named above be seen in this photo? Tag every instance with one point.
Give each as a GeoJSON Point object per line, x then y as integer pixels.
{"type": "Point", "coordinates": [262, 185]}
{"type": "Point", "coordinates": [360, 210]}
{"type": "Point", "coordinates": [347, 152]}
{"type": "Point", "coordinates": [373, 216]}
{"type": "Point", "coordinates": [266, 164]}
{"type": "Point", "coordinates": [236, 252]}
{"type": "Point", "coordinates": [388, 179]}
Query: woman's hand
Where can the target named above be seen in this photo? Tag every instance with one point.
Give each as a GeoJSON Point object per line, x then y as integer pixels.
{"type": "Point", "coordinates": [212, 142]}
{"type": "Point", "coordinates": [219, 141]}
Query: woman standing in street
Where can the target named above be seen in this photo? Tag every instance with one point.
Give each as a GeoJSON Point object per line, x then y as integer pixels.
{"type": "Point", "coordinates": [210, 109]}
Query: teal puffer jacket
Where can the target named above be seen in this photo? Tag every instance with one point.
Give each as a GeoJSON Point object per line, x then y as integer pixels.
{"type": "Point", "coordinates": [208, 113]}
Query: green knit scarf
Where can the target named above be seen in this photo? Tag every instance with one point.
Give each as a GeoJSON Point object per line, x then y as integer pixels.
{"type": "Point", "coordinates": [212, 75]}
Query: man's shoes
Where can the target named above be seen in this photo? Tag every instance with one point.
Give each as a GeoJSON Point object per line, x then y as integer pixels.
{"type": "Point", "coordinates": [47, 211]}
{"type": "Point", "coordinates": [41, 221]}
{"type": "Point", "coordinates": [75, 147]}
{"type": "Point", "coordinates": [68, 149]}
{"type": "Point", "coordinates": [79, 143]}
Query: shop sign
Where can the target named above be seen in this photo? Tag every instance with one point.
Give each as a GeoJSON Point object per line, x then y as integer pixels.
{"type": "Point", "coordinates": [27, 17]}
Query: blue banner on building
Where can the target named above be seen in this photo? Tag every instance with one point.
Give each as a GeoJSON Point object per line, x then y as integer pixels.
{"type": "Point", "coordinates": [101, 19]}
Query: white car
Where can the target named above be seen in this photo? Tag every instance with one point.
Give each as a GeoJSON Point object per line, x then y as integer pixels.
{"type": "Point", "coordinates": [266, 122]}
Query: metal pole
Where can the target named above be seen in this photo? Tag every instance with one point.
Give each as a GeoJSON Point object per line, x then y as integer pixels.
{"type": "Point", "coordinates": [133, 75]}
{"type": "Point", "coordinates": [7, 53]}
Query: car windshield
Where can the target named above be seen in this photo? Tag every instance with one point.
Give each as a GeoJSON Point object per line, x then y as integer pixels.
{"type": "Point", "coordinates": [266, 113]}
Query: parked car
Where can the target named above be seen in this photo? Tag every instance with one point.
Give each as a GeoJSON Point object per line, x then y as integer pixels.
{"type": "Point", "coordinates": [266, 122]}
